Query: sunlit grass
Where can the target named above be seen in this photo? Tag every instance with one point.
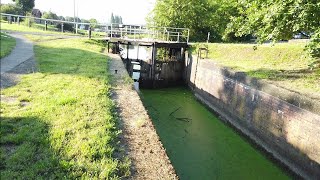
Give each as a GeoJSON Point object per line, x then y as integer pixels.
{"type": "Point", "coordinates": [7, 44]}
{"type": "Point", "coordinates": [283, 63]}
{"type": "Point", "coordinates": [36, 38]}
{"type": "Point", "coordinates": [37, 28]}
{"type": "Point", "coordinates": [61, 124]}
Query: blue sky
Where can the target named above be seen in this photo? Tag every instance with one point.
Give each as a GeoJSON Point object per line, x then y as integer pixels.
{"type": "Point", "coordinates": [132, 11]}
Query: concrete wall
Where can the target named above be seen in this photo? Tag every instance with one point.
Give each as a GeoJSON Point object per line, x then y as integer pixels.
{"type": "Point", "coordinates": [290, 133]}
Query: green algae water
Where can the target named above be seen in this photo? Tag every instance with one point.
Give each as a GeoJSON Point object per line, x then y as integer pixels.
{"type": "Point", "coordinates": [199, 145]}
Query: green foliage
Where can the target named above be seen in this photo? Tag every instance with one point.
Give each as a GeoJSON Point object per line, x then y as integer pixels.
{"type": "Point", "coordinates": [50, 15]}
{"type": "Point", "coordinates": [28, 21]}
{"type": "Point", "coordinates": [26, 5]}
{"type": "Point", "coordinates": [275, 20]}
{"type": "Point", "coordinates": [93, 22]}
{"type": "Point", "coordinates": [314, 49]}
{"type": "Point", "coordinates": [10, 9]}
{"type": "Point", "coordinates": [200, 16]}
{"type": "Point", "coordinates": [66, 27]}
{"type": "Point", "coordinates": [116, 19]}
{"type": "Point", "coordinates": [278, 20]}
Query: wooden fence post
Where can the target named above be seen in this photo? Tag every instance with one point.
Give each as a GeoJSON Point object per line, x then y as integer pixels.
{"type": "Point", "coordinates": [89, 33]}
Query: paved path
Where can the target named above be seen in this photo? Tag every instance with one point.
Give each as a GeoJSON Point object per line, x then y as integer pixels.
{"type": "Point", "coordinates": [22, 52]}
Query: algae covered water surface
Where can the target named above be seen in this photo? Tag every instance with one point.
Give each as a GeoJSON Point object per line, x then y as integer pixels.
{"type": "Point", "coordinates": [198, 144]}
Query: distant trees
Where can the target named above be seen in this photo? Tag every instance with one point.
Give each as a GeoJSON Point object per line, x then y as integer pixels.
{"type": "Point", "coordinates": [50, 15]}
{"type": "Point", "coordinates": [85, 21]}
{"type": "Point", "coordinates": [10, 9]}
{"type": "Point", "coordinates": [25, 5]}
{"type": "Point", "coordinates": [61, 18]}
{"type": "Point", "coordinates": [71, 19]}
{"type": "Point", "coordinates": [116, 19]}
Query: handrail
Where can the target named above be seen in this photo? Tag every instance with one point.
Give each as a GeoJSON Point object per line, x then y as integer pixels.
{"type": "Point", "coordinates": [157, 33]}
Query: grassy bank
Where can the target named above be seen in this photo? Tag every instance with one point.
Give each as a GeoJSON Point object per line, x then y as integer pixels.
{"type": "Point", "coordinates": [285, 64]}
{"type": "Point", "coordinates": [58, 123]}
{"type": "Point", "coordinates": [36, 28]}
{"type": "Point", "coordinates": [39, 28]}
{"type": "Point", "coordinates": [6, 45]}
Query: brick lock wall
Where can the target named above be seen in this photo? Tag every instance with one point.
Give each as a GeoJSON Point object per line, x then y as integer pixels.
{"type": "Point", "coordinates": [290, 133]}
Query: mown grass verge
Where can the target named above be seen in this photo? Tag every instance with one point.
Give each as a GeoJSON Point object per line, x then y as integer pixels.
{"type": "Point", "coordinates": [6, 45]}
{"type": "Point", "coordinates": [36, 28]}
{"type": "Point", "coordinates": [36, 38]}
{"type": "Point", "coordinates": [59, 122]}
{"type": "Point", "coordinates": [285, 64]}
{"type": "Point", "coordinates": [39, 28]}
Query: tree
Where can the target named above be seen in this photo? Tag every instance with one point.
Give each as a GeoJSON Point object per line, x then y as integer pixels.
{"type": "Point", "coordinates": [50, 15]}
{"type": "Point", "coordinates": [85, 21]}
{"type": "Point", "coordinates": [10, 9]}
{"type": "Point", "coordinates": [112, 18]}
{"type": "Point", "coordinates": [93, 22]}
{"type": "Point", "coordinates": [200, 17]}
{"type": "Point", "coordinates": [61, 18]}
{"type": "Point", "coordinates": [116, 19]}
{"type": "Point", "coordinates": [66, 27]}
{"type": "Point", "coordinates": [279, 20]}
{"type": "Point", "coordinates": [26, 5]}
{"type": "Point", "coordinates": [275, 20]}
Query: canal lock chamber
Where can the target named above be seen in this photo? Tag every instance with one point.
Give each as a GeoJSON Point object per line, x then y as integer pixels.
{"type": "Point", "coordinates": [198, 143]}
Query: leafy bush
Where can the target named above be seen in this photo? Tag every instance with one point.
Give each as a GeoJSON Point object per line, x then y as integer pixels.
{"type": "Point", "coordinates": [28, 21]}
{"type": "Point", "coordinates": [10, 9]}
{"type": "Point", "coordinates": [313, 49]}
{"type": "Point", "coordinates": [66, 27]}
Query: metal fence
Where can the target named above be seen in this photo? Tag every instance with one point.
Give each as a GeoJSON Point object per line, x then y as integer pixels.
{"type": "Point", "coordinates": [148, 33]}
{"type": "Point", "coordinates": [122, 31]}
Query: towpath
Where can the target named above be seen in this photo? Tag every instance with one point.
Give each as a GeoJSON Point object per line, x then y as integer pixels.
{"type": "Point", "coordinates": [141, 142]}
{"type": "Point", "coordinates": [22, 52]}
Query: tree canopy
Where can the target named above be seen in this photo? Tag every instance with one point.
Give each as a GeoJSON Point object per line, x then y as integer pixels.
{"type": "Point", "coordinates": [50, 15]}
{"type": "Point", "coordinates": [238, 20]}
{"type": "Point", "coordinates": [10, 9]}
{"type": "Point", "coordinates": [276, 20]}
{"type": "Point", "coordinates": [26, 5]}
{"type": "Point", "coordinates": [201, 16]}
{"type": "Point", "coordinates": [116, 19]}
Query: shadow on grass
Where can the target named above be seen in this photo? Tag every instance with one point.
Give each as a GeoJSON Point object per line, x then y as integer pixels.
{"type": "Point", "coordinates": [25, 141]}
{"type": "Point", "coordinates": [25, 150]}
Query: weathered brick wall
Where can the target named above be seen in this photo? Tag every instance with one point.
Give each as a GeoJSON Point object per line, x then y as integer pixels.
{"type": "Point", "coordinates": [290, 133]}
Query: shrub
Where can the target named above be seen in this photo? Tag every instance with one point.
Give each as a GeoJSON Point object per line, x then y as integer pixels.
{"type": "Point", "coordinates": [313, 49]}
{"type": "Point", "coordinates": [10, 9]}
{"type": "Point", "coordinates": [66, 27]}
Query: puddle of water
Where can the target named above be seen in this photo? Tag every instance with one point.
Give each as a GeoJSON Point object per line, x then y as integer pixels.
{"type": "Point", "coordinates": [199, 145]}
